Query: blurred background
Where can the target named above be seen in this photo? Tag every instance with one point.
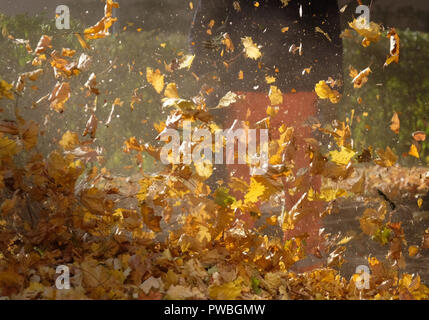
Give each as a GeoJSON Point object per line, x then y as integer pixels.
{"type": "Point", "coordinates": [150, 33]}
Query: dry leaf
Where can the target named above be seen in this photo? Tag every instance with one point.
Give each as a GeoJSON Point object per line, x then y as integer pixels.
{"type": "Point", "coordinates": [155, 78]}
{"type": "Point", "coordinates": [395, 124]}
{"type": "Point", "coordinates": [251, 49]}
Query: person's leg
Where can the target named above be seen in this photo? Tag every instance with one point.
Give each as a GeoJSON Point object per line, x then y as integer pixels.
{"type": "Point", "coordinates": [295, 110]}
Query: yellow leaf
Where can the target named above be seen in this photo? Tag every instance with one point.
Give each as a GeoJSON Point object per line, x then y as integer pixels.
{"type": "Point", "coordinates": [342, 157]}
{"type": "Point", "coordinates": [82, 41]}
{"type": "Point", "coordinates": [270, 79]}
{"type": "Point", "coordinates": [412, 251]}
{"type": "Point", "coordinates": [8, 147]}
{"type": "Point", "coordinates": [275, 95]}
{"type": "Point", "coordinates": [251, 49]}
{"type": "Point", "coordinates": [69, 141]}
{"type": "Point", "coordinates": [171, 91]}
{"type": "Point", "coordinates": [420, 202]}
{"type": "Point", "coordinates": [325, 92]}
{"type": "Point", "coordinates": [227, 291]}
{"type": "Point", "coordinates": [186, 62]}
{"type": "Point", "coordinates": [256, 190]}
{"type": "Point", "coordinates": [6, 90]}
{"type": "Point", "coordinates": [344, 240]}
{"type": "Point", "coordinates": [155, 78]}
{"type": "Point", "coordinates": [395, 124]}
{"type": "Point", "coordinates": [66, 52]}
{"type": "Point", "coordinates": [386, 158]}
{"type": "Point", "coordinates": [371, 31]}
{"type": "Point", "coordinates": [414, 152]}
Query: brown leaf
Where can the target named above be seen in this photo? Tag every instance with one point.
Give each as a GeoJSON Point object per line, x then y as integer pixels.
{"type": "Point", "coordinates": [44, 43]}
{"type": "Point", "coordinates": [59, 96]}
{"type": "Point", "coordinates": [150, 219]}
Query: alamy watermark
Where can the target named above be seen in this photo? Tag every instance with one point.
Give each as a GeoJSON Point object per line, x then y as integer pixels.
{"type": "Point", "coordinates": [63, 280]}
{"type": "Point", "coordinates": [363, 278]}
{"type": "Point", "coordinates": [365, 15]}
{"type": "Point", "coordinates": [62, 18]}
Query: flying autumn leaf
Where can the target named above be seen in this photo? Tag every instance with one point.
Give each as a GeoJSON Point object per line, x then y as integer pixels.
{"type": "Point", "coordinates": [92, 83]}
{"type": "Point", "coordinates": [91, 126]}
{"type": "Point", "coordinates": [66, 52]}
{"type": "Point", "coordinates": [276, 96]}
{"type": "Point", "coordinates": [371, 34]}
{"type": "Point", "coordinates": [28, 131]}
{"type": "Point", "coordinates": [171, 91]}
{"type": "Point", "coordinates": [155, 78]}
{"type": "Point", "coordinates": [386, 158]}
{"type": "Point", "coordinates": [395, 123]}
{"type": "Point", "coordinates": [69, 141]}
{"type": "Point", "coordinates": [325, 92]}
{"type": "Point", "coordinates": [342, 157]}
{"type": "Point", "coordinates": [419, 136]}
{"type": "Point", "coordinates": [359, 79]}
{"type": "Point", "coordinates": [43, 44]}
{"type": "Point", "coordinates": [6, 90]}
{"type": "Point", "coordinates": [414, 152]}
{"type": "Point", "coordinates": [82, 41]}
{"type": "Point", "coordinates": [394, 47]}
{"type": "Point", "coordinates": [101, 28]}
{"type": "Point", "coordinates": [250, 48]}
{"type": "Point", "coordinates": [186, 62]}
{"type": "Point", "coordinates": [255, 191]}
{"type": "Point", "coordinates": [59, 96]}
{"type": "Point", "coordinates": [8, 147]}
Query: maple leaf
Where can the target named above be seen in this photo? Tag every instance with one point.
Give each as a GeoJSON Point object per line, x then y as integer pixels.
{"type": "Point", "coordinates": [251, 49]}
{"type": "Point", "coordinates": [69, 141]}
{"type": "Point", "coordinates": [6, 90]}
{"type": "Point", "coordinates": [28, 131]}
{"type": "Point", "coordinates": [8, 147]}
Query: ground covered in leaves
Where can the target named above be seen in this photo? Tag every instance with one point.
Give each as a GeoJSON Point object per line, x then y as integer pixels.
{"type": "Point", "coordinates": [168, 235]}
